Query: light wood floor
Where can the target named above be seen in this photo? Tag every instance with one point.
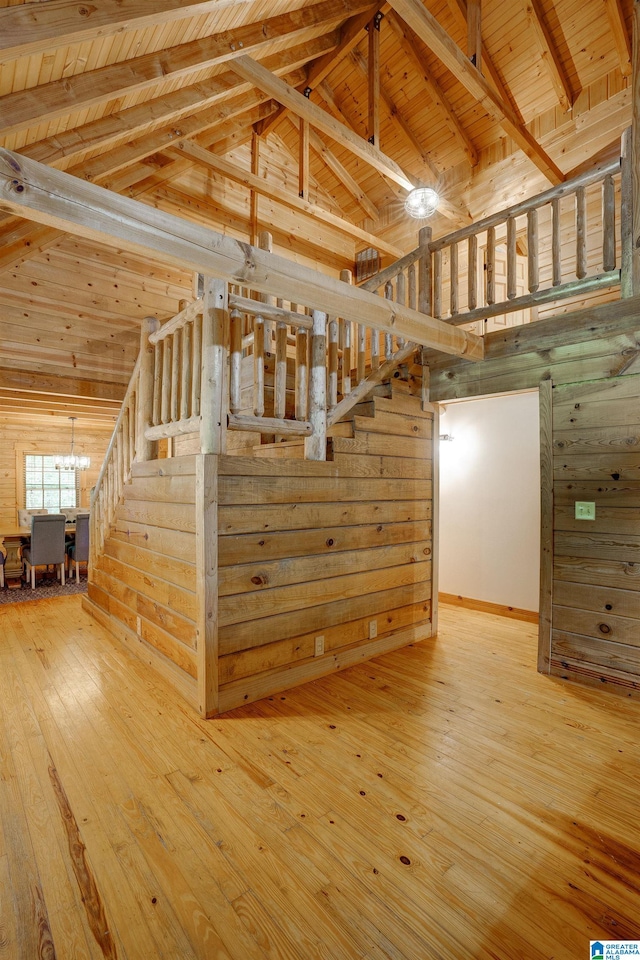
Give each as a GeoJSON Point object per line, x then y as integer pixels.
{"type": "Point", "coordinates": [443, 801]}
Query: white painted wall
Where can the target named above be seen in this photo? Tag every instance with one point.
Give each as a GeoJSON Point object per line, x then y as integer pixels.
{"type": "Point", "coordinates": [490, 500]}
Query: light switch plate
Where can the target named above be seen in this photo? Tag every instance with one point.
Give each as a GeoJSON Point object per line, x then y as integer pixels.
{"type": "Point", "coordinates": [585, 510]}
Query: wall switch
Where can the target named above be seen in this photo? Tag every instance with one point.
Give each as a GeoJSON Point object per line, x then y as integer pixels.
{"type": "Point", "coordinates": [319, 647]}
{"type": "Point", "coordinates": [138, 626]}
{"type": "Point", "coordinates": [585, 510]}
{"type": "Point", "coordinates": [373, 629]}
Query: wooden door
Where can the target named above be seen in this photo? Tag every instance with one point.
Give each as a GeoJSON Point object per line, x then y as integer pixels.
{"type": "Point", "coordinates": [590, 575]}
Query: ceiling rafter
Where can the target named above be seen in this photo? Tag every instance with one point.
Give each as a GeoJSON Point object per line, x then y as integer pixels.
{"type": "Point", "coordinates": [266, 81]}
{"type": "Point", "coordinates": [34, 106]}
{"type": "Point", "coordinates": [436, 93]}
{"type": "Point", "coordinates": [266, 188]}
{"type": "Point", "coordinates": [350, 36]}
{"type": "Point", "coordinates": [429, 30]}
{"type": "Point", "coordinates": [549, 54]}
{"type": "Point", "coordinates": [39, 27]}
{"type": "Point", "coordinates": [620, 35]}
{"type": "Point", "coordinates": [459, 11]}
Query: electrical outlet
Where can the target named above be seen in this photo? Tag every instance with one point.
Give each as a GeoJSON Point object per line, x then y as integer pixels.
{"type": "Point", "coordinates": [138, 626]}
{"type": "Point", "coordinates": [319, 647]}
{"type": "Point", "coordinates": [373, 629]}
{"type": "Point", "coordinates": [585, 510]}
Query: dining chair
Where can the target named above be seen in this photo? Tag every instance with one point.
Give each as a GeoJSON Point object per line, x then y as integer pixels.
{"type": "Point", "coordinates": [78, 551]}
{"type": "Point", "coordinates": [2, 560]}
{"type": "Point", "coordinates": [46, 546]}
{"type": "Point", "coordinates": [24, 516]}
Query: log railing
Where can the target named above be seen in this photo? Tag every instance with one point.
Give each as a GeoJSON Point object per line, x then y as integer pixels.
{"type": "Point", "coordinates": [552, 234]}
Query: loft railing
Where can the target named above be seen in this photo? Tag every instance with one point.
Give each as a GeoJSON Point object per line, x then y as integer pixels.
{"type": "Point", "coordinates": [550, 237]}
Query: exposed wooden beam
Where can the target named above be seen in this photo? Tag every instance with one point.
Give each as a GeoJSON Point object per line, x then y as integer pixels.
{"type": "Point", "coordinates": [38, 27]}
{"type": "Point", "coordinates": [408, 40]}
{"type": "Point", "coordinates": [66, 203]}
{"type": "Point", "coordinates": [549, 53]}
{"type": "Point", "coordinates": [373, 82]}
{"type": "Point", "coordinates": [268, 189]}
{"type": "Point", "coordinates": [71, 146]}
{"type": "Point", "coordinates": [459, 11]}
{"type": "Point", "coordinates": [350, 36]}
{"type": "Point", "coordinates": [343, 175]}
{"type": "Point", "coordinates": [255, 171]}
{"type": "Point", "coordinates": [303, 165]}
{"type": "Point", "coordinates": [620, 35]}
{"type": "Point", "coordinates": [37, 105]}
{"type": "Point", "coordinates": [397, 118]}
{"type": "Point", "coordinates": [474, 33]}
{"type": "Point", "coordinates": [269, 83]}
{"type": "Point", "coordinates": [27, 380]}
{"type": "Point", "coordinates": [429, 30]}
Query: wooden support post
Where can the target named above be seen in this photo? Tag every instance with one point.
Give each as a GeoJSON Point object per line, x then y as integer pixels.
{"type": "Point", "coordinates": [265, 242]}
{"type": "Point", "coordinates": [255, 170]}
{"type": "Point", "coordinates": [315, 446]}
{"type": "Point", "coordinates": [280, 386]}
{"type": "Point", "coordinates": [435, 514]}
{"type": "Point", "coordinates": [175, 375]}
{"type": "Point", "coordinates": [333, 364]}
{"type": "Point", "coordinates": [556, 248]}
{"type": "Point", "coordinates": [490, 265]}
{"type": "Point", "coordinates": [472, 272]}
{"type": "Point", "coordinates": [453, 279]}
{"type": "Point", "coordinates": [546, 526]}
{"type": "Point", "coordinates": [424, 271]}
{"type": "Point", "coordinates": [532, 251]}
{"type": "Point", "coordinates": [635, 148]}
{"type": "Point", "coordinates": [258, 367]}
{"type": "Point", "coordinates": [185, 378]}
{"type": "Point", "coordinates": [303, 168]}
{"type": "Point", "coordinates": [437, 283]}
{"type": "Point", "coordinates": [302, 374]}
{"type": "Point", "coordinates": [157, 383]}
{"type": "Point", "coordinates": [581, 233]}
{"type": "Point", "coordinates": [347, 336]}
{"type": "Point", "coordinates": [474, 33]}
{"type": "Point", "coordinates": [235, 363]}
{"type": "Point", "coordinates": [362, 353]}
{"type": "Point", "coordinates": [207, 584]}
{"type": "Point", "coordinates": [375, 349]}
{"type": "Point", "coordinates": [374, 82]}
{"type": "Point", "coordinates": [411, 280]}
{"type": "Point", "coordinates": [196, 383]}
{"type": "Point", "coordinates": [512, 290]}
{"type": "Point", "coordinates": [626, 216]}
{"type": "Point", "coordinates": [214, 392]}
{"type": "Point", "coordinates": [608, 224]}
{"type": "Point", "coordinates": [165, 400]}
{"type": "Point", "coordinates": [388, 337]}
{"type": "Point", "coordinates": [146, 449]}
{"type": "Point", "coordinates": [401, 297]}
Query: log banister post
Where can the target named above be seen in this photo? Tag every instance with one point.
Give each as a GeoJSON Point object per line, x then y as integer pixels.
{"type": "Point", "coordinates": [214, 392]}
{"type": "Point", "coordinates": [315, 446]}
{"type": "Point", "coordinates": [146, 449]}
{"type": "Point", "coordinates": [424, 268]}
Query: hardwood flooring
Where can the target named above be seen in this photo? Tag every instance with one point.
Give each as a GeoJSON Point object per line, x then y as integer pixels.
{"type": "Point", "coordinates": [444, 801]}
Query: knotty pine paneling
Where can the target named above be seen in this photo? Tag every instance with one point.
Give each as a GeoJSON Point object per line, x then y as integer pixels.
{"type": "Point", "coordinates": [309, 550]}
{"type": "Point", "coordinates": [596, 587]}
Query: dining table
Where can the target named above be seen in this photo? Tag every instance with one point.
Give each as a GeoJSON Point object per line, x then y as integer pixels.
{"type": "Point", "coordinates": [13, 539]}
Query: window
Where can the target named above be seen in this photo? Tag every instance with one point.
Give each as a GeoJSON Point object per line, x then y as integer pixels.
{"type": "Point", "coordinates": [47, 487]}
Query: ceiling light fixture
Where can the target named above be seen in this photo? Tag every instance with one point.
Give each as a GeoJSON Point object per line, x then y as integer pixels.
{"type": "Point", "coordinates": [70, 461]}
{"type": "Point", "coordinates": [422, 202]}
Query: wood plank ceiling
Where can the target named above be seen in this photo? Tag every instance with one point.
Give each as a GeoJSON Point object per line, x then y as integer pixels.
{"type": "Point", "coordinates": [179, 109]}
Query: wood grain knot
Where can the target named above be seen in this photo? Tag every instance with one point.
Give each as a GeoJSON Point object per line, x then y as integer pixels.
{"type": "Point", "coordinates": [604, 628]}
{"type": "Point", "coordinates": [258, 580]}
{"type": "Point", "coordinates": [399, 816]}
{"type": "Point", "coordinates": [406, 861]}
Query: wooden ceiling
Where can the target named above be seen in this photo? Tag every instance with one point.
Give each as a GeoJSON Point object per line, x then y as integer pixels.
{"type": "Point", "coordinates": [181, 109]}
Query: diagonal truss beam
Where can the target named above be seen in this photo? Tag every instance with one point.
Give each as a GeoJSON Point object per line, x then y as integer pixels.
{"type": "Point", "coordinates": [430, 32]}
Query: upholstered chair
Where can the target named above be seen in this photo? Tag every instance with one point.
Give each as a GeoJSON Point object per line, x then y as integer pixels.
{"type": "Point", "coordinates": [78, 552]}
{"type": "Point", "coordinates": [47, 545]}
{"type": "Point", "coordinates": [24, 516]}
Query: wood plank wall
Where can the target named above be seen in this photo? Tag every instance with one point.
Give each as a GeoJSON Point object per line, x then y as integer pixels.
{"type": "Point", "coordinates": [595, 435]}
{"type": "Point", "coordinates": [18, 437]}
{"type": "Point", "coordinates": [596, 573]}
{"type": "Point", "coordinates": [143, 586]}
{"type": "Point", "coordinates": [326, 550]}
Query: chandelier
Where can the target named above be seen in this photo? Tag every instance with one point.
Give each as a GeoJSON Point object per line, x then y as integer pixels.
{"type": "Point", "coordinates": [71, 461]}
